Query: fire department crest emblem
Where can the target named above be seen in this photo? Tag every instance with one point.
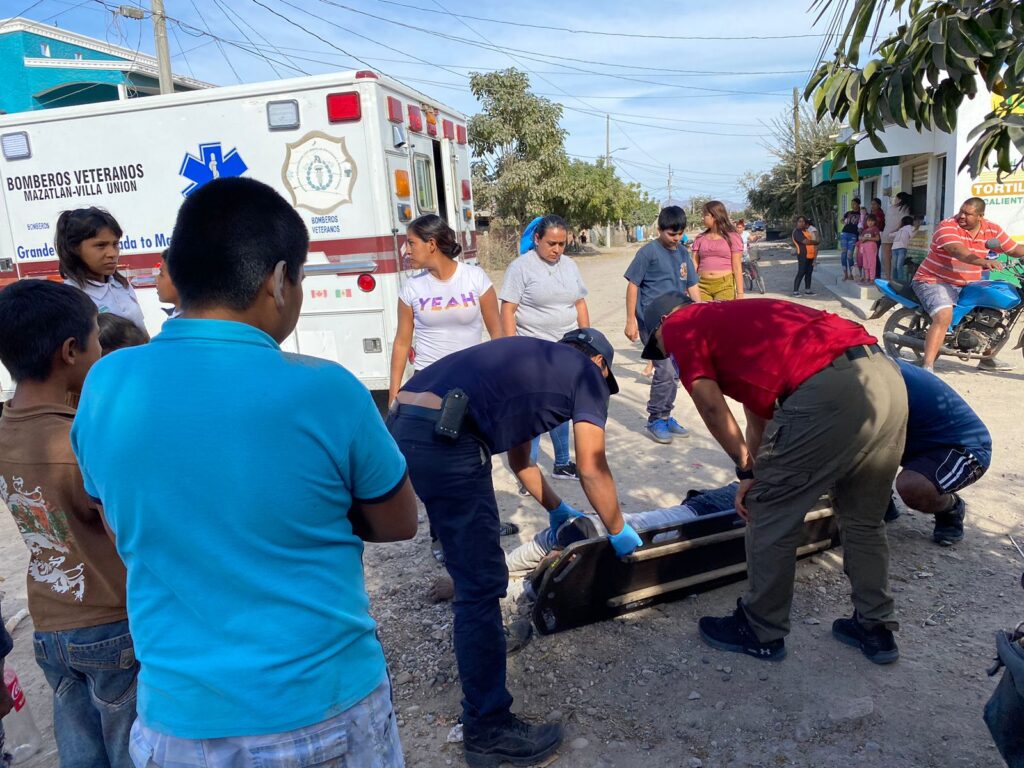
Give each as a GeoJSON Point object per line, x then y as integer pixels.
{"type": "Point", "coordinates": [319, 172]}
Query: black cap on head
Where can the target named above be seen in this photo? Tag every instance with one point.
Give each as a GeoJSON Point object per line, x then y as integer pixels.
{"type": "Point", "coordinates": [657, 310]}
{"type": "Point", "coordinates": [598, 343]}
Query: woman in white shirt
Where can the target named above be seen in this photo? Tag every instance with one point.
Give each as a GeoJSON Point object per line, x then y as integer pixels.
{"type": "Point", "coordinates": [899, 206]}
{"type": "Point", "coordinates": [445, 306]}
{"type": "Point", "coordinates": [87, 247]}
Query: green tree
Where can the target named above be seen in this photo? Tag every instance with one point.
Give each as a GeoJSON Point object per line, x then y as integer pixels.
{"type": "Point", "coordinates": [921, 73]}
{"type": "Point", "coordinates": [774, 193]}
{"type": "Point", "coordinates": [518, 147]}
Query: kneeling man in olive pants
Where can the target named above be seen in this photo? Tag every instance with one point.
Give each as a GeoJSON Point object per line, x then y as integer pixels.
{"type": "Point", "coordinates": [826, 411]}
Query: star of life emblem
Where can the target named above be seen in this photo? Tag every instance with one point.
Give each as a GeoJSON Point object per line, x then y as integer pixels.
{"type": "Point", "coordinates": [319, 172]}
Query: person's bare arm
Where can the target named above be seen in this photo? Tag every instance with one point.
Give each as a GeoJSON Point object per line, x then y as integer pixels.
{"type": "Point", "coordinates": [632, 328]}
{"type": "Point", "coordinates": [400, 349]}
{"type": "Point", "coordinates": [714, 411]}
{"type": "Point", "coordinates": [595, 475]}
{"type": "Point", "coordinates": [489, 311]}
{"type": "Point", "coordinates": [754, 432]}
{"type": "Point", "coordinates": [393, 519]}
{"type": "Point", "coordinates": [963, 253]}
{"type": "Point", "coordinates": [508, 318]}
{"type": "Point", "coordinates": [694, 293]}
{"type": "Point", "coordinates": [737, 272]}
{"type": "Point", "coordinates": [582, 314]}
{"type": "Point", "coordinates": [530, 476]}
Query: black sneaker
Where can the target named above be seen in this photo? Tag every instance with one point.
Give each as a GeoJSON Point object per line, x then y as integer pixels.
{"type": "Point", "coordinates": [512, 741]}
{"type": "Point", "coordinates": [522, 490]}
{"type": "Point", "coordinates": [891, 513]}
{"type": "Point", "coordinates": [734, 633]}
{"type": "Point", "coordinates": [507, 529]}
{"type": "Point", "coordinates": [566, 471]}
{"type": "Point", "coordinates": [949, 526]}
{"type": "Point", "coordinates": [877, 644]}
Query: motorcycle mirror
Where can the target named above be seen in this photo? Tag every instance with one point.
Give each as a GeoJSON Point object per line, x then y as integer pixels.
{"type": "Point", "coordinates": [993, 244]}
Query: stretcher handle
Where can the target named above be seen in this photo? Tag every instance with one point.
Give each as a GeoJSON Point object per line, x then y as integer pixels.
{"type": "Point", "coordinates": [644, 553]}
{"type": "Point", "coordinates": [690, 581]}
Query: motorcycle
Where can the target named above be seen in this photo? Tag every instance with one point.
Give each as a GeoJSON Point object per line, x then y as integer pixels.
{"type": "Point", "coordinates": [983, 319]}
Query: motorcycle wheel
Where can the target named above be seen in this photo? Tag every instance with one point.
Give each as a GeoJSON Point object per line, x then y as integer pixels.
{"type": "Point", "coordinates": [905, 322]}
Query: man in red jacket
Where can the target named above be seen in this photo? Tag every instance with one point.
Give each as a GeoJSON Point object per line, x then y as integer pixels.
{"type": "Point", "coordinates": [825, 410]}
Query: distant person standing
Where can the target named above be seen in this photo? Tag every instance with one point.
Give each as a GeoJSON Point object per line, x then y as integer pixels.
{"type": "Point", "coordinates": [900, 246]}
{"type": "Point", "coordinates": [805, 240]}
{"type": "Point", "coordinates": [868, 250]}
{"type": "Point", "coordinates": [660, 266]}
{"type": "Point", "coordinates": [900, 206]}
{"type": "Point", "coordinates": [848, 240]}
{"type": "Point", "coordinates": [87, 244]}
{"type": "Point", "coordinates": [718, 253]}
{"type": "Point", "coordinates": [544, 297]}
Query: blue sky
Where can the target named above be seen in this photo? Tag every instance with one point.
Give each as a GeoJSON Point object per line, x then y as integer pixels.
{"type": "Point", "coordinates": [696, 103]}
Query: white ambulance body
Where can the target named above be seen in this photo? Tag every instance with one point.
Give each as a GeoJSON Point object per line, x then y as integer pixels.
{"type": "Point", "coordinates": [357, 154]}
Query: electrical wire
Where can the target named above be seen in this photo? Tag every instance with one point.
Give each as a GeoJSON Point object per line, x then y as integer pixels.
{"type": "Point", "coordinates": [262, 37]}
{"type": "Point", "coordinates": [219, 46]}
{"type": "Point", "coordinates": [248, 39]}
{"type": "Point", "coordinates": [550, 28]}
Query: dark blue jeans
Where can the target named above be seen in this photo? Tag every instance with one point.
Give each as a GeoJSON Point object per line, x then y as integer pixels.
{"type": "Point", "coordinates": [663, 386]}
{"type": "Point", "coordinates": [92, 671]}
{"type": "Point", "coordinates": [453, 479]}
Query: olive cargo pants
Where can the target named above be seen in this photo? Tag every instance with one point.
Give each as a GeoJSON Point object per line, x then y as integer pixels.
{"type": "Point", "coordinates": [842, 430]}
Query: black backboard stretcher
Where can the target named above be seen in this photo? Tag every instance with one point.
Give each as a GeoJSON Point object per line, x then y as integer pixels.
{"type": "Point", "coordinates": [587, 583]}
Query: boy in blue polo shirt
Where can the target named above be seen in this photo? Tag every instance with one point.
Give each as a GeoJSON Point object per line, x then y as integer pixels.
{"type": "Point", "coordinates": [662, 266]}
{"type": "Point", "coordinates": [242, 526]}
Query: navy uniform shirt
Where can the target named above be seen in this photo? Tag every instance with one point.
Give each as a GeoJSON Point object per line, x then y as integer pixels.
{"type": "Point", "coordinates": [939, 418]}
{"type": "Point", "coordinates": [519, 388]}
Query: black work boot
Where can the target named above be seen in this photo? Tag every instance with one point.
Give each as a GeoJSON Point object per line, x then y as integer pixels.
{"type": "Point", "coordinates": [734, 633]}
{"type": "Point", "coordinates": [949, 525]}
{"type": "Point", "coordinates": [878, 644]}
{"type": "Point", "coordinates": [511, 741]}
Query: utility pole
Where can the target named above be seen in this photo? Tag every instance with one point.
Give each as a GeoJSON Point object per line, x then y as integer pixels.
{"type": "Point", "coordinates": [608, 162]}
{"type": "Point", "coordinates": [669, 201]}
{"type": "Point", "coordinates": [163, 55]}
{"type": "Point", "coordinates": [796, 150]}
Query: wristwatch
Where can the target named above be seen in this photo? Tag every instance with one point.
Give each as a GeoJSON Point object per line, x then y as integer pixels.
{"type": "Point", "coordinates": [744, 474]}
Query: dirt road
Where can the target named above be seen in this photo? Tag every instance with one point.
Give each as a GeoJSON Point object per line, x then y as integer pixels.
{"type": "Point", "coordinates": [643, 690]}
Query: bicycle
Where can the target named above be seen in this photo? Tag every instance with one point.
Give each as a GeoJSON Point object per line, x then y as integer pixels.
{"type": "Point", "coordinates": [752, 274]}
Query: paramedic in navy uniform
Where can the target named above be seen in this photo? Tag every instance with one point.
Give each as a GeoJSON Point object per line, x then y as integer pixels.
{"type": "Point", "coordinates": [517, 388]}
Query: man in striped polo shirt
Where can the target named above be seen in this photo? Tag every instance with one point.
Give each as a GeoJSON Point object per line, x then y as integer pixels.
{"type": "Point", "coordinates": [956, 257]}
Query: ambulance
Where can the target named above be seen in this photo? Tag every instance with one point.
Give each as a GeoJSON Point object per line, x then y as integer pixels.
{"type": "Point", "coordinates": [357, 154]}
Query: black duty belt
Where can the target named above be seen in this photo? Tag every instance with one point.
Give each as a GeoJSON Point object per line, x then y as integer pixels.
{"type": "Point", "coordinates": [862, 351]}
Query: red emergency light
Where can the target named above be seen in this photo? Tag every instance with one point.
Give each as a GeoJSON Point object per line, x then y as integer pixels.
{"type": "Point", "coordinates": [366, 282]}
{"type": "Point", "coordinates": [394, 110]}
{"type": "Point", "coordinates": [415, 119]}
{"type": "Point", "coordinates": [449, 129]}
{"type": "Point", "coordinates": [367, 74]}
{"type": "Point", "coordinates": [343, 107]}
{"type": "Point", "coordinates": [460, 134]}
{"type": "Point", "coordinates": [466, 194]}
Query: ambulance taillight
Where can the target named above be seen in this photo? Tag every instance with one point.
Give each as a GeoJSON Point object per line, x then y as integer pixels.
{"type": "Point", "coordinates": [366, 282]}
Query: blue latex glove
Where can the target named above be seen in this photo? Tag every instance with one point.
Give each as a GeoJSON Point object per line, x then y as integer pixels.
{"type": "Point", "coordinates": [625, 541]}
{"type": "Point", "coordinates": [561, 513]}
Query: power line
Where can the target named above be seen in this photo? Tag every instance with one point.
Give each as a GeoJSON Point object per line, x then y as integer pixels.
{"type": "Point", "coordinates": [537, 56]}
{"type": "Point", "coordinates": [547, 27]}
{"type": "Point", "coordinates": [262, 37]}
{"type": "Point", "coordinates": [219, 46]}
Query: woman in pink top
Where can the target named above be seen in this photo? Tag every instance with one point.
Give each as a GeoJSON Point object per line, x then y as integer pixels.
{"type": "Point", "coordinates": [718, 253]}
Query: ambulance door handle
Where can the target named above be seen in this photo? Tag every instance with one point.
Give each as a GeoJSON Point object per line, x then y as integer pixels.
{"type": "Point", "coordinates": [342, 268]}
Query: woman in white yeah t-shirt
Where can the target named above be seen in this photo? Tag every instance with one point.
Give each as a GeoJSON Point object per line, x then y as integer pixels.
{"type": "Point", "coordinates": [445, 306]}
{"type": "Point", "coordinates": [87, 247]}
